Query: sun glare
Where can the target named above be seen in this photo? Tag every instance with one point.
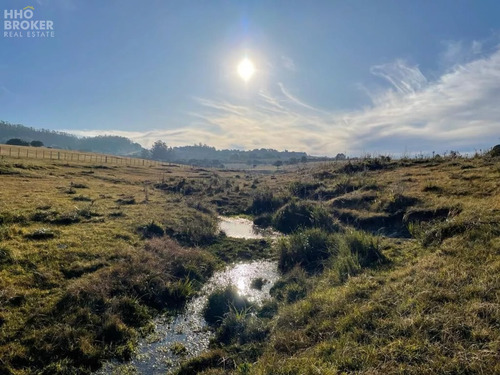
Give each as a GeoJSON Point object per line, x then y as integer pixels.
{"type": "Point", "coordinates": [246, 69]}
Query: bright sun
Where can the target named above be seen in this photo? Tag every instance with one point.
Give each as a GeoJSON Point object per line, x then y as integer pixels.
{"type": "Point", "coordinates": [246, 69]}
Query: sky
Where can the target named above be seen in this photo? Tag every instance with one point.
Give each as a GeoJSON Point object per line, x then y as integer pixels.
{"type": "Point", "coordinates": [356, 77]}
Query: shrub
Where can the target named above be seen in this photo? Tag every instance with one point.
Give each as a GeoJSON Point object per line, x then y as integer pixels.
{"type": "Point", "coordinates": [296, 215]}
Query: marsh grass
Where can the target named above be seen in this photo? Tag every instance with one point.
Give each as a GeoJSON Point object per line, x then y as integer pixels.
{"type": "Point", "coordinates": [303, 214]}
{"type": "Point", "coordinates": [392, 305]}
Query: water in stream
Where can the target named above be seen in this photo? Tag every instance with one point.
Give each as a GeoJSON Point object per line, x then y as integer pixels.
{"type": "Point", "coordinates": [239, 227]}
{"type": "Point", "coordinates": [189, 328]}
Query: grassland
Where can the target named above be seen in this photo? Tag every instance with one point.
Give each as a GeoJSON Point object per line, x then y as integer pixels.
{"type": "Point", "coordinates": [425, 302]}
{"type": "Point", "coordinates": [85, 261]}
{"type": "Point", "coordinates": [395, 268]}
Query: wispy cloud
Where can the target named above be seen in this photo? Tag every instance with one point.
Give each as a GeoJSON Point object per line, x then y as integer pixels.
{"type": "Point", "coordinates": [458, 111]}
{"type": "Point", "coordinates": [288, 63]}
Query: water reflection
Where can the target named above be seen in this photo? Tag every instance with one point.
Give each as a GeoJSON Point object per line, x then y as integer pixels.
{"type": "Point", "coordinates": [238, 227]}
{"type": "Point", "coordinates": [154, 354]}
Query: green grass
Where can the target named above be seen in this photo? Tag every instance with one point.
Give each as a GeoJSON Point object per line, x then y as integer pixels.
{"type": "Point", "coordinates": [424, 300]}
{"type": "Point", "coordinates": [392, 266]}
{"type": "Point", "coordinates": [79, 279]}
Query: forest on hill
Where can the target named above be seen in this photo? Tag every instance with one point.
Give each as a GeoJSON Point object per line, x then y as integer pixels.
{"type": "Point", "coordinates": [198, 154]}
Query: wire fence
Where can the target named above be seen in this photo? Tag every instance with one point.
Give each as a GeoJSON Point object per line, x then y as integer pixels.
{"type": "Point", "coordinates": [24, 152]}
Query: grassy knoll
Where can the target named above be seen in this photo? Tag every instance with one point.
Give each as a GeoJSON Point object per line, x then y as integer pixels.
{"type": "Point", "coordinates": [405, 280]}
{"type": "Point", "coordinates": [89, 253]}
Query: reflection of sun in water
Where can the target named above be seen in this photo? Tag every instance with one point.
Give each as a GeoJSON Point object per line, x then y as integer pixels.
{"type": "Point", "coordinates": [241, 285]}
{"type": "Point", "coordinates": [246, 69]}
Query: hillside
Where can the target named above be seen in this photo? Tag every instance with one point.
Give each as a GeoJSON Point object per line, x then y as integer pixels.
{"type": "Point", "coordinates": [199, 155]}
{"type": "Point", "coordinates": [103, 144]}
{"type": "Point", "coordinates": [390, 266]}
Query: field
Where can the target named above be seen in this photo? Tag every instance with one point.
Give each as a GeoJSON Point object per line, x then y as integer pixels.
{"type": "Point", "coordinates": [390, 267]}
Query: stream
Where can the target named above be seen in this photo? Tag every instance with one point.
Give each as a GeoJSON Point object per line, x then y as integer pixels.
{"type": "Point", "coordinates": [154, 355]}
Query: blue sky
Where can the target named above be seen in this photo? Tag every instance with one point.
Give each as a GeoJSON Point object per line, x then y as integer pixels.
{"type": "Point", "coordinates": [331, 76]}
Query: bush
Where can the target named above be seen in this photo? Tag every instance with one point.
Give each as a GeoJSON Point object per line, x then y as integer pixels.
{"type": "Point", "coordinates": [297, 215]}
{"type": "Point", "coordinates": [220, 302]}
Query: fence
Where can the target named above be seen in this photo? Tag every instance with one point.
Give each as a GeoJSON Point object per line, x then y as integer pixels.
{"type": "Point", "coordinates": [71, 156]}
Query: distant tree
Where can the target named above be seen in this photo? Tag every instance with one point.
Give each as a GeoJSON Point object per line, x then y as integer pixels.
{"type": "Point", "coordinates": [340, 157]}
{"type": "Point", "coordinates": [278, 163]}
{"type": "Point", "coordinates": [36, 143]}
{"type": "Point", "coordinates": [160, 151]}
{"type": "Point", "coordinates": [145, 154]}
{"type": "Point", "coordinates": [17, 142]}
{"type": "Point", "coordinates": [303, 159]}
